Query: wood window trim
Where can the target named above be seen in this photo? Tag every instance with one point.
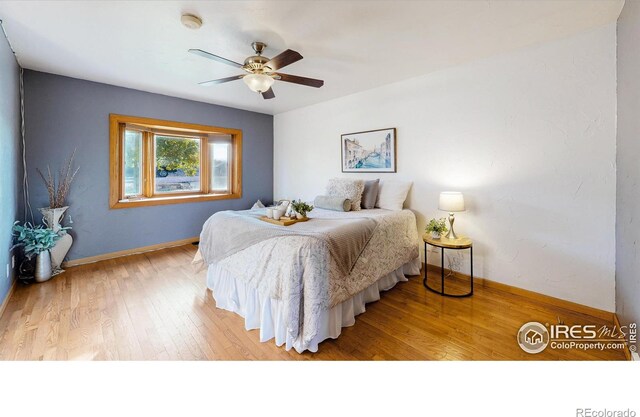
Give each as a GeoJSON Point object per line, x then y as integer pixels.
{"type": "Point", "coordinates": [116, 127]}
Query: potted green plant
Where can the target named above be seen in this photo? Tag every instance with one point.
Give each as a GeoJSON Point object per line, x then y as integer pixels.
{"type": "Point", "coordinates": [37, 241]}
{"type": "Point", "coordinates": [301, 208]}
{"type": "Point", "coordinates": [437, 227]}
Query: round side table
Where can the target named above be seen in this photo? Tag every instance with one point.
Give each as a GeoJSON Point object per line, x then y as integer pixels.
{"type": "Point", "coordinates": [444, 243]}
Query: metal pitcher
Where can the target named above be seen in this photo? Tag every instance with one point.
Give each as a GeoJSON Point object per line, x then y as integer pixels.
{"type": "Point", "coordinates": [43, 267]}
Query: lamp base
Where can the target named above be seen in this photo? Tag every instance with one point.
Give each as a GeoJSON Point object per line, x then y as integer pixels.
{"type": "Point", "coordinates": [451, 234]}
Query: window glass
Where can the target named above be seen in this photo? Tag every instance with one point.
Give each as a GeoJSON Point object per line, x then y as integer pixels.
{"type": "Point", "coordinates": [132, 163]}
{"type": "Point", "coordinates": [219, 157]}
{"type": "Point", "coordinates": [177, 164]}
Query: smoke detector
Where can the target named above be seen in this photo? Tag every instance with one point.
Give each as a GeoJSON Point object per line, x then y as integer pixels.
{"type": "Point", "coordinates": [191, 21]}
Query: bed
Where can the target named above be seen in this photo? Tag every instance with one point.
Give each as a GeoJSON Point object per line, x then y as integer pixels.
{"type": "Point", "coordinates": [301, 284]}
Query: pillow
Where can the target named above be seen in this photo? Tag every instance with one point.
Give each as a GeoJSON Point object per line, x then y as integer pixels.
{"type": "Point", "coordinates": [346, 188]}
{"type": "Point", "coordinates": [334, 203]}
{"type": "Point", "coordinates": [370, 194]}
{"type": "Point", "coordinates": [257, 205]}
{"type": "Point", "coordinates": [391, 194]}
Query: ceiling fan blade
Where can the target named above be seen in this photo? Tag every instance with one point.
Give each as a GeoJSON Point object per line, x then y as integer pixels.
{"type": "Point", "coordinates": [207, 55]}
{"type": "Point", "coordinates": [268, 94]}
{"type": "Point", "coordinates": [311, 82]}
{"type": "Point", "coordinates": [285, 58]}
{"type": "Point", "coordinates": [221, 80]}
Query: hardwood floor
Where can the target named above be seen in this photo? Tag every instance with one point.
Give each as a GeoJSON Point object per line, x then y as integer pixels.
{"type": "Point", "coordinates": [152, 306]}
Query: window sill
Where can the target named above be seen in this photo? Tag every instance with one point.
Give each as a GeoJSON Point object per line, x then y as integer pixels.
{"type": "Point", "coordinates": [180, 199]}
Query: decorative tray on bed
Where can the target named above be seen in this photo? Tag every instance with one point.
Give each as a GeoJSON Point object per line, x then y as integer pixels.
{"type": "Point", "coordinates": [283, 221]}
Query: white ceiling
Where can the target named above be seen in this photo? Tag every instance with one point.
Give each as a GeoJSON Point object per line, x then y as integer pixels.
{"type": "Point", "coordinates": [352, 45]}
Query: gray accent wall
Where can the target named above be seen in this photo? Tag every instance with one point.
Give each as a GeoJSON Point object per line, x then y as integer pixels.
{"type": "Point", "coordinates": [64, 113]}
{"type": "Point", "coordinates": [628, 166]}
{"type": "Point", "coordinates": [9, 157]}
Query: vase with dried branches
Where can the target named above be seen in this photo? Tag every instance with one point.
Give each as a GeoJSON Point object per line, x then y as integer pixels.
{"type": "Point", "coordinates": [58, 191]}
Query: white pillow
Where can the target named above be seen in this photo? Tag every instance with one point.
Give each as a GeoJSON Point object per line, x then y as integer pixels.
{"type": "Point", "coordinates": [347, 188]}
{"type": "Point", "coordinates": [257, 205]}
{"type": "Point", "coordinates": [391, 194]}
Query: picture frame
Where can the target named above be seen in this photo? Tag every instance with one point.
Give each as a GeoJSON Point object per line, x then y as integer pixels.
{"type": "Point", "coordinates": [369, 151]}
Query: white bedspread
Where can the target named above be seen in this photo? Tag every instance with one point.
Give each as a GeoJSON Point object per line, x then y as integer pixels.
{"type": "Point", "coordinates": [299, 272]}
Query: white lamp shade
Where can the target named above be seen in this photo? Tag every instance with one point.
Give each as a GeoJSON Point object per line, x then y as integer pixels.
{"type": "Point", "coordinates": [258, 82]}
{"type": "Point", "coordinates": [451, 201]}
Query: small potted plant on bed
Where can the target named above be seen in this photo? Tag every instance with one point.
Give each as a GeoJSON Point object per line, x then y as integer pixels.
{"type": "Point", "coordinates": [301, 208]}
{"type": "Point", "coordinates": [437, 227]}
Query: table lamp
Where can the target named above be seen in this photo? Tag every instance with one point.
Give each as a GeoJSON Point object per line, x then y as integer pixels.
{"type": "Point", "coordinates": [451, 201]}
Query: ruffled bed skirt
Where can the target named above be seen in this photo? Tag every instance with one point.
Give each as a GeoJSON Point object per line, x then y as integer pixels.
{"type": "Point", "coordinates": [265, 313]}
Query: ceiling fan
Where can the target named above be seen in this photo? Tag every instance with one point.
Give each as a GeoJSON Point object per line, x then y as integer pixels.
{"type": "Point", "coordinates": [261, 70]}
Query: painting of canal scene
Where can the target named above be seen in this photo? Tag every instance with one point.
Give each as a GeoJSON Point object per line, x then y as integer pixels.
{"type": "Point", "coordinates": [371, 151]}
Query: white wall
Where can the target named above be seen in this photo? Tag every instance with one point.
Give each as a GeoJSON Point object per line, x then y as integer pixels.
{"type": "Point", "coordinates": [628, 181]}
{"type": "Point", "coordinates": [529, 137]}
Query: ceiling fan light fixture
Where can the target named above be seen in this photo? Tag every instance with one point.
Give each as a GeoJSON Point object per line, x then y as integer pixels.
{"type": "Point", "coordinates": [258, 82]}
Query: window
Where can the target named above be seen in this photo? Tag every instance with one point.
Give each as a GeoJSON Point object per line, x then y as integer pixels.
{"type": "Point", "coordinates": [177, 164]}
{"type": "Point", "coordinates": [133, 163]}
{"type": "Point", "coordinates": [160, 162]}
{"type": "Point", "coordinates": [220, 155]}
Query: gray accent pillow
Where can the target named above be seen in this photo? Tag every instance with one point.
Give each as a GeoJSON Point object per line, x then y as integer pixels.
{"type": "Point", "coordinates": [329, 202]}
{"type": "Point", "coordinates": [370, 194]}
{"type": "Point", "coordinates": [347, 188]}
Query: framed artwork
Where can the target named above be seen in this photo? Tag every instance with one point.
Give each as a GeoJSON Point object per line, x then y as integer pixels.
{"type": "Point", "coordinates": [370, 151]}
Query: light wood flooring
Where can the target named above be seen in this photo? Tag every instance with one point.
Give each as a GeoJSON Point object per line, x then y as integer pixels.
{"type": "Point", "coordinates": [153, 306]}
